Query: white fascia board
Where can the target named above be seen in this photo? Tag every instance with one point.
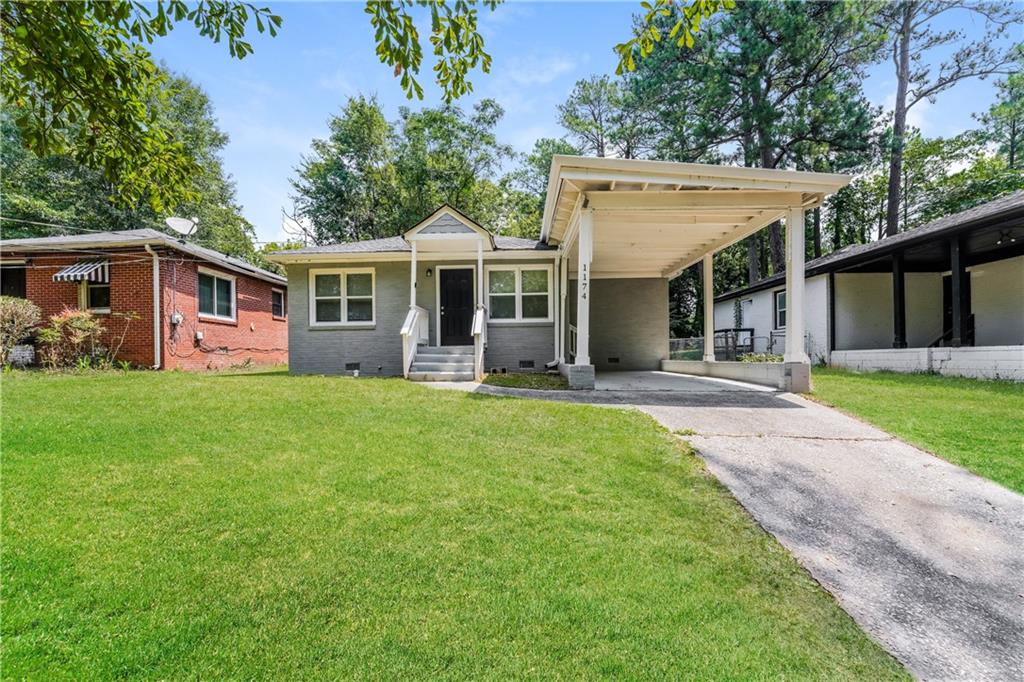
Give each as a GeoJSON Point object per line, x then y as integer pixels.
{"type": "Point", "coordinates": [406, 256]}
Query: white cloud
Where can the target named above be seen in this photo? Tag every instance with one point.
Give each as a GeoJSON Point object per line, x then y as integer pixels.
{"type": "Point", "coordinates": [318, 52]}
{"type": "Point", "coordinates": [337, 82]}
{"type": "Point", "coordinates": [492, 23]}
{"type": "Point", "coordinates": [918, 117]}
{"type": "Point", "coordinates": [537, 68]}
{"type": "Point", "coordinates": [523, 138]}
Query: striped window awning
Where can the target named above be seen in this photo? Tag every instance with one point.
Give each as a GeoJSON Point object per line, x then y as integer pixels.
{"type": "Point", "coordinates": [85, 270]}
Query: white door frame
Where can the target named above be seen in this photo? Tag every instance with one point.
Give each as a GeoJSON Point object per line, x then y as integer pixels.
{"type": "Point", "coordinates": [437, 294]}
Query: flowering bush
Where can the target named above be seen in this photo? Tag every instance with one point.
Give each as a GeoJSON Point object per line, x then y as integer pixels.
{"type": "Point", "coordinates": [18, 317]}
{"type": "Point", "coordinates": [71, 339]}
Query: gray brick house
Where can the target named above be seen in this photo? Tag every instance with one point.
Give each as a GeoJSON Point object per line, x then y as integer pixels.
{"type": "Point", "coordinates": [451, 300]}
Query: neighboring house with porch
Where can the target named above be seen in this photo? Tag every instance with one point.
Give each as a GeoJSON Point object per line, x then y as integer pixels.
{"type": "Point", "coordinates": [451, 300]}
{"type": "Point", "coordinates": [946, 297]}
{"type": "Point", "coordinates": [194, 308]}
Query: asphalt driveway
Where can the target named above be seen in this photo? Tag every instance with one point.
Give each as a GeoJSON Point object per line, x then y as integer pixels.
{"type": "Point", "coordinates": [926, 556]}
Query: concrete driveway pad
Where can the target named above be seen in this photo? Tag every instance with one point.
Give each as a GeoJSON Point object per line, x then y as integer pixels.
{"type": "Point", "coordinates": [927, 557]}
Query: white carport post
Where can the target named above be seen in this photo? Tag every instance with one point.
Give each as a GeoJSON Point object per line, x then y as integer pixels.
{"type": "Point", "coordinates": [563, 293]}
{"type": "Point", "coordinates": [585, 246]}
{"type": "Point", "coordinates": [709, 309]}
{"type": "Point", "coordinates": [480, 272]}
{"type": "Point", "coordinates": [412, 276]}
{"type": "Point", "coordinates": [795, 351]}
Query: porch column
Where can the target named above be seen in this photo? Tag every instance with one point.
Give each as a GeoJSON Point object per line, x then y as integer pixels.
{"type": "Point", "coordinates": [585, 245]}
{"type": "Point", "coordinates": [957, 275]}
{"type": "Point", "coordinates": [412, 277]}
{"type": "Point", "coordinates": [563, 295]}
{"type": "Point", "coordinates": [556, 312]}
{"type": "Point", "coordinates": [709, 309]}
{"type": "Point", "coordinates": [795, 351]}
{"type": "Point", "coordinates": [899, 302]}
{"type": "Point", "coordinates": [480, 300]}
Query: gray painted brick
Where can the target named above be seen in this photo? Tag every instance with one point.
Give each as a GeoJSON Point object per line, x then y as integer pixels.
{"type": "Point", "coordinates": [325, 351]}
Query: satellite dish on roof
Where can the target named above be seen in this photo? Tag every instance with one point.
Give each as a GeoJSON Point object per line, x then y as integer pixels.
{"type": "Point", "coordinates": [183, 226]}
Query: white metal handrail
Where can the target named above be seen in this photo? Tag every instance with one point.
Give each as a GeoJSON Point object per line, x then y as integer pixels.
{"type": "Point", "coordinates": [572, 341]}
{"type": "Point", "coordinates": [415, 330]}
{"type": "Point", "coordinates": [479, 341]}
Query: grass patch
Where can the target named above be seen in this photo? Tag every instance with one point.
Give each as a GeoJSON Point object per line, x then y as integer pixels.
{"type": "Point", "coordinates": [535, 380]}
{"type": "Point", "coordinates": [260, 525]}
{"type": "Point", "coordinates": [976, 424]}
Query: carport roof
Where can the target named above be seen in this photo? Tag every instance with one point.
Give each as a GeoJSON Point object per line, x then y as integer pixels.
{"type": "Point", "coordinates": [662, 216]}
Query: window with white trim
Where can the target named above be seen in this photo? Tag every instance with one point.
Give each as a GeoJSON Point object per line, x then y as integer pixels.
{"type": "Point", "coordinates": [519, 293]}
{"type": "Point", "coordinates": [216, 295]}
{"type": "Point", "coordinates": [277, 308]}
{"type": "Point", "coordinates": [780, 309]}
{"type": "Point", "coordinates": [341, 297]}
{"type": "Point", "coordinates": [97, 297]}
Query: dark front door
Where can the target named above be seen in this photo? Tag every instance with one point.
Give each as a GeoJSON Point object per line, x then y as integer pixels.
{"type": "Point", "coordinates": [456, 306]}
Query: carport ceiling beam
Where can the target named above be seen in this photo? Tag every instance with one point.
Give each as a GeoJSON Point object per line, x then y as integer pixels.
{"type": "Point", "coordinates": [684, 201]}
{"type": "Point", "coordinates": [752, 226]}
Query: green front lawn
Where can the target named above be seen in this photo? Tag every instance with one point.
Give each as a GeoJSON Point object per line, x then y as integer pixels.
{"type": "Point", "coordinates": [169, 525]}
{"type": "Point", "coordinates": [534, 380]}
{"type": "Point", "coordinates": [976, 424]}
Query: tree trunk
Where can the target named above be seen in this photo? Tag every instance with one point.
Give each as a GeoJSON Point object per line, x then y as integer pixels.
{"type": "Point", "coordinates": [817, 232]}
{"type": "Point", "coordinates": [753, 259]}
{"type": "Point", "coordinates": [1013, 143]}
{"type": "Point", "coordinates": [899, 125]}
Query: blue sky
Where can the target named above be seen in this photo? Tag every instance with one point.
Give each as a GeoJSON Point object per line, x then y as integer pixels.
{"type": "Point", "coordinates": [274, 102]}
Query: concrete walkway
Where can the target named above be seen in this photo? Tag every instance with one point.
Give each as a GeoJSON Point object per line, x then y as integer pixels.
{"type": "Point", "coordinates": [927, 557]}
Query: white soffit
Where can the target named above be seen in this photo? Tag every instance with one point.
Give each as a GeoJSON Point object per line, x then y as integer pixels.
{"type": "Point", "coordinates": [660, 217]}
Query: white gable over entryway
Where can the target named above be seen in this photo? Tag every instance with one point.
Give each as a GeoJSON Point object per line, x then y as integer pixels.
{"type": "Point", "coordinates": [446, 229]}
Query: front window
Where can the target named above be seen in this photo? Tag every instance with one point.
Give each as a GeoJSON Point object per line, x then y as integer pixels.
{"type": "Point", "coordinates": [98, 297]}
{"type": "Point", "coordinates": [340, 297]}
{"type": "Point", "coordinates": [519, 293]}
{"type": "Point", "coordinates": [216, 296]}
{"type": "Point", "coordinates": [277, 303]}
{"type": "Point", "coordinates": [780, 309]}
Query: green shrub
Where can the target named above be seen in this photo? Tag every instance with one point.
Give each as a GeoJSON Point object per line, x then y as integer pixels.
{"type": "Point", "coordinates": [18, 317]}
{"type": "Point", "coordinates": [72, 339]}
{"type": "Point", "coordinates": [760, 357]}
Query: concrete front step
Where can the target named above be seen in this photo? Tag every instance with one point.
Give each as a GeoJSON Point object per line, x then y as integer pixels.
{"type": "Point", "coordinates": [441, 376]}
{"type": "Point", "coordinates": [445, 350]}
{"type": "Point", "coordinates": [444, 357]}
{"type": "Point", "coordinates": [441, 366]}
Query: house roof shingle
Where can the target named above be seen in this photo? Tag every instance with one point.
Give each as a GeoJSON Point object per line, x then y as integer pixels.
{"type": "Point", "coordinates": [138, 238]}
{"type": "Point", "coordinates": [399, 244]}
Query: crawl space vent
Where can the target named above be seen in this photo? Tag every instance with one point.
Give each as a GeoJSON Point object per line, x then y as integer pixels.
{"type": "Point", "coordinates": [526, 364]}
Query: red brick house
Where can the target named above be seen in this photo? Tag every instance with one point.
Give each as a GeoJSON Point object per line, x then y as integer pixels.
{"type": "Point", "coordinates": [196, 308]}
